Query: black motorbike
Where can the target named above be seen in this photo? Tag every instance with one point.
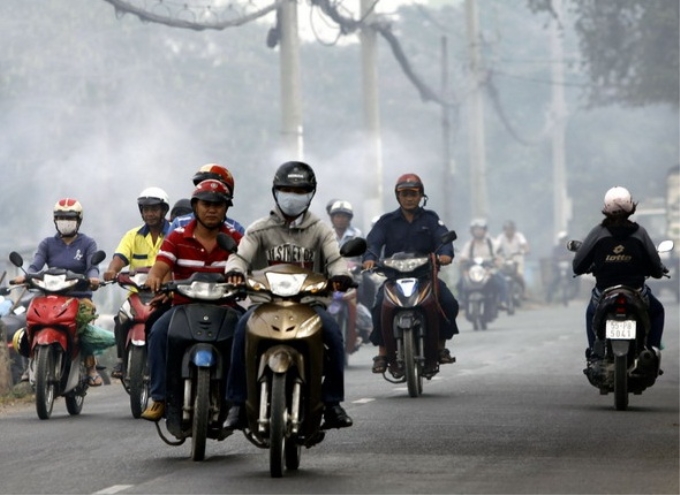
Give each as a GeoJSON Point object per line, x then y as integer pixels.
{"type": "Point", "coordinates": [621, 325]}
{"type": "Point", "coordinates": [479, 301]}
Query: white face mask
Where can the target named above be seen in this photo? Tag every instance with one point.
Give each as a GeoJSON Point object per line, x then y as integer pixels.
{"type": "Point", "coordinates": [292, 204]}
{"type": "Point", "coordinates": [66, 227]}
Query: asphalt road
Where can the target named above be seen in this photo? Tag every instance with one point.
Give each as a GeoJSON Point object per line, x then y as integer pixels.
{"type": "Point", "coordinates": [515, 414]}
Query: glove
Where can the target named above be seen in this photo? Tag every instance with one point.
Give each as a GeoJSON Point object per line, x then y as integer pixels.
{"type": "Point", "coordinates": [342, 283]}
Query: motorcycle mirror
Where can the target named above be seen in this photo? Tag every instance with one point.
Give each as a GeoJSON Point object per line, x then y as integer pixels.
{"type": "Point", "coordinates": [97, 257]}
{"type": "Point", "coordinates": [665, 246]}
{"type": "Point", "coordinates": [16, 259]}
{"type": "Point", "coordinates": [574, 245]}
{"type": "Point", "coordinates": [354, 247]}
{"type": "Point", "coordinates": [450, 236]}
{"type": "Point", "coordinates": [226, 242]}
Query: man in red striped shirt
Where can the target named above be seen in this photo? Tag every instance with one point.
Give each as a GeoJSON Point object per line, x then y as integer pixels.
{"type": "Point", "coordinates": [186, 250]}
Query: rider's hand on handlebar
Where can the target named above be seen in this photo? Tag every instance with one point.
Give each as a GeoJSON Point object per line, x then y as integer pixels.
{"type": "Point", "coordinates": [368, 264]}
{"type": "Point", "coordinates": [234, 277]}
{"type": "Point", "coordinates": [94, 283]}
{"type": "Point", "coordinates": [444, 259]}
{"type": "Point", "coordinates": [109, 275]}
{"type": "Point", "coordinates": [342, 283]}
{"type": "Point", "coordinates": [18, 280]}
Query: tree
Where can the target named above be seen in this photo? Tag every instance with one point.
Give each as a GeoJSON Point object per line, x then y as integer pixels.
{"type": "Point", "coordinates": [629, 48]}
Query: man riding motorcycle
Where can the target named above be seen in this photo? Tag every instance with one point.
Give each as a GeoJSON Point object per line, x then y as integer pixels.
{"type": "Point", "coordinates": [619, 251]}
{"type": "Point", "coordinates": [291, 234]}
{"type": "Point", "coordinates": [410, 228]}
{"type": "Point", "coordinates": [137, 249]}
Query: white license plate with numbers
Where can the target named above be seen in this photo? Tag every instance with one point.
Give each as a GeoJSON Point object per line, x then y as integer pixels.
{"type": "Point", "coordinates": [620, 330]}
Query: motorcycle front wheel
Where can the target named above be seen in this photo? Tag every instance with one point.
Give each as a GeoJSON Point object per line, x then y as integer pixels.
{"type": "Point", "coordinates": [277, 425]}
{"type": "Point", "coordinates": [412, 367]}
{"type": "Point", "coordinates": [138, 386]}
{"type": "Point", "coordinates": [45, 378]}
{"type": "Point", "coordinates": [200, 414]}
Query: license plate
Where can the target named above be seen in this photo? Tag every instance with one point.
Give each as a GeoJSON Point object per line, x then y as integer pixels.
{"type": "Point", "coordinates": [620, 330]}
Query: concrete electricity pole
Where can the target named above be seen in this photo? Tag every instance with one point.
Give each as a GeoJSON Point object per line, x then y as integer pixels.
{"type": "Point", "coordinates": [478, 192]}
{"type": "Point", "coordinates": [292, 138]}
{"type": "Point", "coordinates": [373, 194]}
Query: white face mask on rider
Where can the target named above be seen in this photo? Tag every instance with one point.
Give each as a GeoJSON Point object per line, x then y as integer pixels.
{"type": "Point", "coordinates": [66, 227]}
{"type": "Point", "coordinates": [293, 204]}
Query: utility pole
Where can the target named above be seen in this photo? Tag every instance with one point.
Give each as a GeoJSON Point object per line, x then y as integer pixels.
{"type": "Point", "coordinates": [561, 203]}
{"type": "Point", "coordinates": [292, 136]}
{"type": "Point", "coordinates": [373, 193]}
{"type": "Point", "coordinates": [477, 150]}
{"type": "Point", "coordinates": [447, 169]}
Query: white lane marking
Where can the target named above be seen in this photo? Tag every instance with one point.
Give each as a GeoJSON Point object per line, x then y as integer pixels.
{"type": "Point", "coordinates": [112, 489]}
{"type": "Point", "coordinates": [363, 401]}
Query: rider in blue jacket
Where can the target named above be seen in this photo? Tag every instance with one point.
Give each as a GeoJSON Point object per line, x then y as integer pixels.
{"type": "Point", "coordinates": [410, 228]}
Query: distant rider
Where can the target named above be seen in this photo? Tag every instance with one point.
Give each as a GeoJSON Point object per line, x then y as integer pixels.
{"type": "Point", "coordinates": [513, 245]}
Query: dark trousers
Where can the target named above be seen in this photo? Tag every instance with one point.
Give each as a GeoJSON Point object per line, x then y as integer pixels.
{"type": "Point", "coordinates": [447, 329]}
{"type": "Point", "coordinates": [657, 316]}
{"type": "Point", "coordinates": [333, 390]}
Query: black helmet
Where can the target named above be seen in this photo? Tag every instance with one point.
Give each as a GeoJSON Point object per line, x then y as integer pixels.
{"type": "Point", "coordinates": [181, 207]}
{"type": "Point", "coordinates": [295, 174]}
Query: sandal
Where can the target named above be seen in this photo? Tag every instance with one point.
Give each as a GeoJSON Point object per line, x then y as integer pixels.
{"type": "Point", "coordinates": [379, 364]}
{"type": "Point", "coordinates": [94, 380]}
{"type": "Point", "coordinates": [445, 357]}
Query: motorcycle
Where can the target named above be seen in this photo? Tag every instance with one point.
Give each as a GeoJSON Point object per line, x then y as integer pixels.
{"type": "Point", "coordinates": [51, 337]}
{"type": "Point", "coordinates": [479, 302]}
{"type": "Point", "coordinates": [510, 270]}
{"type": "Point", "coordinates": [13, 317]}
{"type": "Point", "coordinates": [285, 361]}
{"type": "Point", "coordinates": [410, 316]}
{"type": "Point", "coordinates": [343, 308]}
{"type": "Point", "coordinates": [200, 337]}
{"type": "Point", "coordinates": [621, 326]}
{"type": "Point", "coordinates": [134, 313]}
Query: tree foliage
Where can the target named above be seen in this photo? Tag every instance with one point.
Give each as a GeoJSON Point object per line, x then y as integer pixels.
{"type": "Point", "coordinates": [629, 49]}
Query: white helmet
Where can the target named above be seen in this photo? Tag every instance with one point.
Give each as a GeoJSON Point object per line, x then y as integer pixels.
{"type": "Point", "coordinates": [618, 200]}
{"type": "Point", "coordinates": [340, 206]}
{"type": "Point", "coordinates": [153, 196]}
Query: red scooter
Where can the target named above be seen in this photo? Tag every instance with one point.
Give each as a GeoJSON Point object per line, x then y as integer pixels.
{"type": "Point", "coordinates": [133, 314]}
{"type": "Point", "coordinates": [51, 338]}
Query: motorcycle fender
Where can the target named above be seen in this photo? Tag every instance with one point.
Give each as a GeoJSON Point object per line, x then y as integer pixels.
{"type": "Point", "coordinates": [620, 347]}
{"type": "Point", "coordinates": [48, 336]}
{"type": "Point", "coordinates": [136, 335]}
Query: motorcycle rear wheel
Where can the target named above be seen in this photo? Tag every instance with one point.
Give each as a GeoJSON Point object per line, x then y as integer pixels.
{"type": "Point", "coordinates": [277, 425]}
{"type": "Point", "coordinates": [138, 387]}
{"type": "Point", "coordinates": [200, 414]}
{"type": "Point", "coordinates": [412, 367]}
{"type": "Point", "coordinates": [621, 382]}
{"type": "Point", "coordinates": [45, 377]}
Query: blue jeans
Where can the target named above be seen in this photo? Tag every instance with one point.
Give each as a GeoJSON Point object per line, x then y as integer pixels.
{"type": "Point", "coordinates": [333, 390]}
{"type": "Point", "coordinates": [158, 347]}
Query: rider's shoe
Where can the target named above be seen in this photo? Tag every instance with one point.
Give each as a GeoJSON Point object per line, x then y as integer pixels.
{"type": "Point", "coordinates": [236, 419]}
{"type": "Point", "coordinates": [336, 417]}
{"type": "Point", "coordinates": [445, 356]}
{"type": "Point", "coordinates": [155, 411]}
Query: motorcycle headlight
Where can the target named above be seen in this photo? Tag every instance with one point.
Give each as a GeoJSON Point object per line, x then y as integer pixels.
{"type": "Point", "coordinates": [53, 283]}
{"type": "Point", "coordinates": [476, 273]}
{"type": "Point", "coordinates": [203, 290]}
{"type": "Point", "coordinates": [285, 284]}
{"type": "Point", "coordinates": [405, 265]}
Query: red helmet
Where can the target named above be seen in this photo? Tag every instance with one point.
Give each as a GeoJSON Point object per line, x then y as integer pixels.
{"type": "Point", "coordinates": [212, 190]}
{"type": "Point", "coordinates": [409, 181]}
{"type": "Point", "coordinates": [217, 172]}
